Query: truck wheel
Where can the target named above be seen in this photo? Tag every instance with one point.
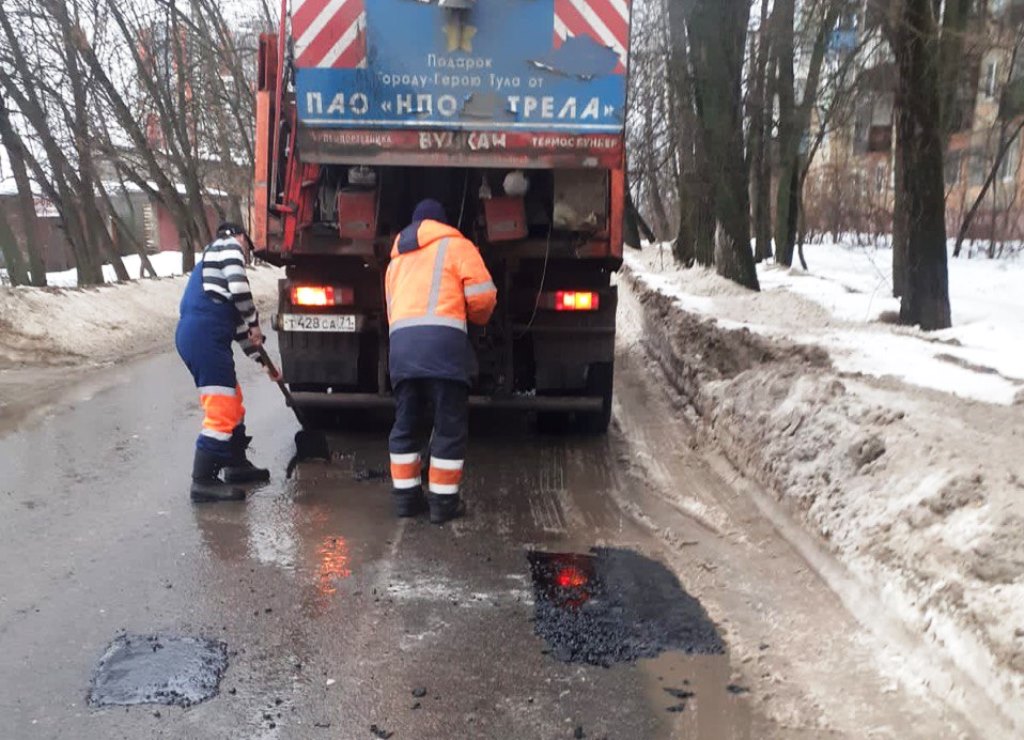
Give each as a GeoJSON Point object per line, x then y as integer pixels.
{"type": "Point", "coordinates": [600, 381]}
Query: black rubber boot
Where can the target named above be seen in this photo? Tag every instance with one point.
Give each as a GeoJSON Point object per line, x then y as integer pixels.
{"type": "Point", "coordinates": [207, 487]}
{"type": "Point", "coordinates": [240, 470]}
{"type": "Point", "coordinates": [444, 508]}
{"type": "Point", "coordinates": [409, 502]}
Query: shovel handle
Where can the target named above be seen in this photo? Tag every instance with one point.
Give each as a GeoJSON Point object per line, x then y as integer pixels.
{"type": "Point", "coordinates": [266, 360]}
{"type": "Point", "coordinates": [269, 364]}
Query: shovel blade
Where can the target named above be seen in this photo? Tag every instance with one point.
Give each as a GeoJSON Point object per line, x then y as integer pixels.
{"type": "Point", "coordinates": [311, 445]}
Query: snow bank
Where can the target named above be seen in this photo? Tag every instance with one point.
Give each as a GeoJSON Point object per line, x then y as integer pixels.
{"type": "Point", "coordinates": [166, 264]}
{"type": "Point", "coordinates": [844, 303]}
{"type": "Point", "coordinates": [62, 326]}
{"type": "Point", "coordinates": [917, 487]}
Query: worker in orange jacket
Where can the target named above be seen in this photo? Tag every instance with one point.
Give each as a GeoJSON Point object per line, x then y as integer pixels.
{"type": "Point", "coordinates": [436, 285]}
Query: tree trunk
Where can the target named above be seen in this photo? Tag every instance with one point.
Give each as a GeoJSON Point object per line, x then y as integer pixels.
{"type": "Point", "coordinates": [784, 21]}
{"type": "Point", "coordinates": [12, 143]}
{"type": "Point", "coordinates": [717, 32]}
{"type": "Point", "coordinates": [952, 68]}
{"type": "Point", "coordinates": [634, 223]}
{"type": "Point", "coordinates": [702, 204]}
{"type": "Point", "coordinates": [760, 136]}
{"type": "Point", "coordinates": [58, 181]}
{"type": "Point", "coordinates": [900, 227]}
{"type": "Point", "coordinates": [922, 208]}
{"type": "Point", "coordinates": [16, 270]}
{"type": "Point", "coordinates": [683, 246]}
{"type": "Point", "coordinates": [93, 227]}
{"type": "Point", "coordinates": [795, 123]}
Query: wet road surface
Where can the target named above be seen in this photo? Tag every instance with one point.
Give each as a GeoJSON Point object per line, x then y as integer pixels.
{"type": "Point", "coordinates": [340, 621]}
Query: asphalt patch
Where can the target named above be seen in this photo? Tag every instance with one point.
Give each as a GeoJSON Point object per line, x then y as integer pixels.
{"type": "Point", "coordinates": [158, 669]}
{"type": "Point", "coordinates": [615, 606]}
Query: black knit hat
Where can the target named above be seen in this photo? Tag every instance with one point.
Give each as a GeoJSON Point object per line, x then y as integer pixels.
{"type": "Point", "coordinates": [429, 209]}
{"type": "Point", "coordinates": [228, 229]}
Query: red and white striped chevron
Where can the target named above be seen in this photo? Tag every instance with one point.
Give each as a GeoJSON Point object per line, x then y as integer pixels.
{"type": "Point", "coordinates": [605, 21]}
{"type": "Point", "coordinates": [329, 33]}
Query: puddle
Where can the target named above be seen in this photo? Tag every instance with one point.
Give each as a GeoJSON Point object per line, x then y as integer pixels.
{"type": "Point", "coordinates": [691, 695]}
{"type": "Point", "coordinates": [158, 669]}
{"type": "Point", "coordinates": [616, 606]}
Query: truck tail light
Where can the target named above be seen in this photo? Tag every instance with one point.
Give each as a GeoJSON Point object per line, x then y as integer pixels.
{"type": "Point", "coordinates": [572, 300]}
{"type": "Point", "coordinates": [322, 295]}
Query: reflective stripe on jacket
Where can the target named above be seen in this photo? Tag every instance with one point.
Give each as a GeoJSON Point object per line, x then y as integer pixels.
{"type": "Point", "coordinates": [436, 284]}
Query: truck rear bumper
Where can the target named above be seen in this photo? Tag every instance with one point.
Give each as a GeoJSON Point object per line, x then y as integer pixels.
{"type": "Point", "coordinates": [579, 404]}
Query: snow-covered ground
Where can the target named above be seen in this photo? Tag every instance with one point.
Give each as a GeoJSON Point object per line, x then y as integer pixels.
{"type": "Point", "coordinates": [980, 357]}
{"type": "Point", "coordinates": [62, 324]}
{"type": "Point", "coordinates": [900, 450]}
{"type": "Point", "coordinates": [166, 264]}
{"type": "Point", "coordinates": [51, 338]}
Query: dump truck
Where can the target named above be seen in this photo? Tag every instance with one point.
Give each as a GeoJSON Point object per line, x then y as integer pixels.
{"type": "Point", "coordinates": [512, 114]}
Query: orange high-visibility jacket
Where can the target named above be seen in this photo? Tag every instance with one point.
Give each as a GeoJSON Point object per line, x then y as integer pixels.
{"type": "Point", "coordinates": [436, 285]}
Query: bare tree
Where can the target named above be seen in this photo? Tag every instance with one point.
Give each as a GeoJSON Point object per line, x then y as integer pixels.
{"type": "Point", "coordinates": [921, 208]}
{"type": "Point", "coordinates": [761, 116]}
{"type": "Point", "coordinates": [14, 146]}
{"type": "Point", "coordinates": [27, 85]}
{"type": "Point", "coordinates": [717, 35]}
{"type": "Point", "coordinates": [795, 119]}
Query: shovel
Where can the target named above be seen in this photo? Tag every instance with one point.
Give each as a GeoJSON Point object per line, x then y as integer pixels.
{"type": "Point", "coordinates": [309, 444]}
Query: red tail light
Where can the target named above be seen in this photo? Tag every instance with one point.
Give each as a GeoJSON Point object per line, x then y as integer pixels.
{"type": "Point", "coordinates": [322, 295]}
{"type": "Point", "coordinates": [573, 300]}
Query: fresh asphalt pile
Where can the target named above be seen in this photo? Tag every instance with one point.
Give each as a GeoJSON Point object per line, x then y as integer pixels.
{"type": "Point", "coordinates": [616, 606]}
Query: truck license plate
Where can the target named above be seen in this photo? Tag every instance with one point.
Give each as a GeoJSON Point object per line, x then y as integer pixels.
{"type": "Point", "coordinates": [310, 322]}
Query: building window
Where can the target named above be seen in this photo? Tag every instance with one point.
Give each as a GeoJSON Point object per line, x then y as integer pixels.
{"type": "Point", "coordinates": [990, 81]}
{"type": "Point", "coordinates": [1008, 167]}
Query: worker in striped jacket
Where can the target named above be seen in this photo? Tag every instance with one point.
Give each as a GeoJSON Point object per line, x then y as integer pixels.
{"type": "Point", "coordinates": [217, 310]}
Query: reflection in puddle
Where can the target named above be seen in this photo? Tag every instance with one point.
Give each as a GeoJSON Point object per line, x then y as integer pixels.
{"type": "Point", "coordinates": [690, 692]}
{"type": "Point", "coordinates": [332, 556]}
{"type": "Point", "coordinates": [615, 606]}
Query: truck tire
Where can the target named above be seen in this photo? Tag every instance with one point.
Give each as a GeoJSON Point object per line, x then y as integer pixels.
{"type": "Point", "coordinates": [600, 382]}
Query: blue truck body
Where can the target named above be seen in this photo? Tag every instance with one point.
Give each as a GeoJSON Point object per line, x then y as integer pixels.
{"type": "Point", "coordinates": [496, 66]}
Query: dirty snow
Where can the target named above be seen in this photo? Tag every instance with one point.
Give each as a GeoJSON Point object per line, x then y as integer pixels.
{"type": "Point", "coordinates": [68, 325]}
{"type": "Point", "coordinates": [51, 338]}
{"type": "Point", "coordinates": [841, 304]}
{"type": "Point", "coordinates": [905, 463]}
